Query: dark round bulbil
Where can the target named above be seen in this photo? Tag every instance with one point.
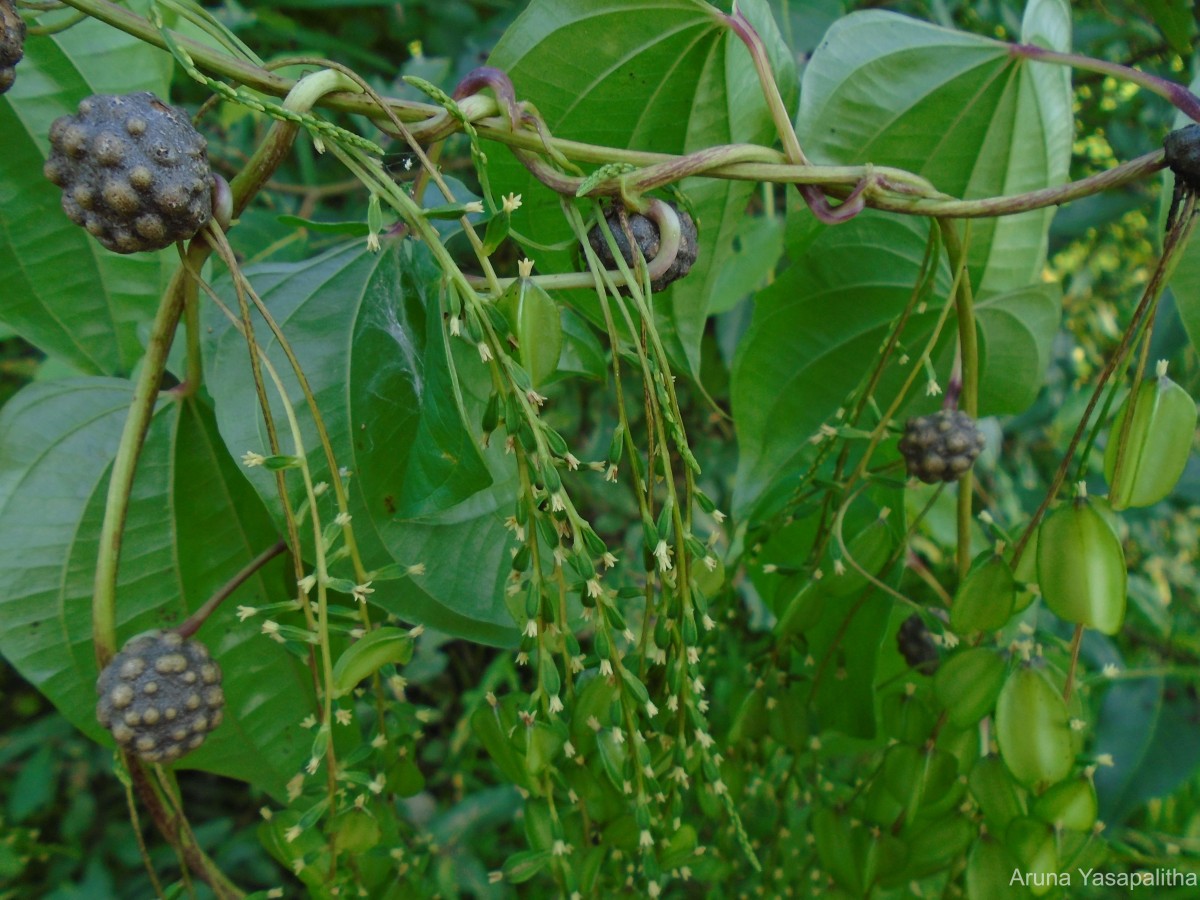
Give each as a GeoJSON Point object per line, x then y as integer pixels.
{"type": "Point", "coordinates": [645, 233]}
{"type": "Point", "coordinates": [916, 645]}
{"type": "Point", "coordinates": [941, 446]}
{"type": "Point", "coordinates": [133, 171]}
{"type": "Point", "coordinates": [160, 696]}
{"type": "Point", "coordinates": [1182, 150]}
{"type": "Point", "coordinates": [12, 43]}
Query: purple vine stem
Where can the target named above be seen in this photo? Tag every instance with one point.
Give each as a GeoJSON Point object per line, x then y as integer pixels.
{"type": "Point", "coordinates": [953, 389]}
{"type": "Point", "coordinates": [1174, 93]}
{"type": "Point", "coordinates": [812, 194]}
{"type": "Point", "coordinates": [489, 77]}
{"type": "Point", "coordinates": [818, 202]}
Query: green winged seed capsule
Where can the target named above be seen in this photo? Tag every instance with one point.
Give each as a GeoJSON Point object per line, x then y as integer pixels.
{"type": "Point", "coordinates": [984, 600]}
{"type": "Point", "coordinates": [368, 655]}
{"type": "Point", "coordinates": [902, 767]}
{"type": "Point", "coordinates": [968, 683]}
{"type": "Point", "coordinates": [751, 721]}
{"type": "Point", "coordinates": [356, 830]}
{"type": "Point", "coordinates": [525, 864]}
{"type": "Point", "coordinates": [1157, 446]}
{"type": "Point", "coordinates": [934, 845]}
{"type": "Point", "coordinates": [788, 723]}
{"type": "Point", "coordinates": [840, 848]}
{"type": "Point", "coordinates": [1069, 804]}
{"type": "Point", "coordinates": [917, 776]}
{"type": "Point", "coordinates": [906, 717]}
{"type": "Point", "coordinates": [544, 743]}
{"type": "Point", "coordinates": [1081, 566]}
{"type": "Point", "coordinates": [887, 853]}
{"type": "Point", "coordinates": [989, 871]}
{"type": "Point", "coordinates": [1025, 571]}
{"type": "Point", "coordinates": [1033, 729]}
{"type": "Point", "coordinates": [1036, 851]}
{"type": "Point", "coordinates": [537, 326]}
{"type": "Point", "coordinates": [803, 608]}
{"type": "Point", "coordinates": [992, 787]}
{"type": "Point", "coordinates": [870, 548]}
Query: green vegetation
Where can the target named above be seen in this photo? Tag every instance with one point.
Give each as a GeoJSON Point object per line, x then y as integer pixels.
{"type": "Point", "coordinates": [579, 448]}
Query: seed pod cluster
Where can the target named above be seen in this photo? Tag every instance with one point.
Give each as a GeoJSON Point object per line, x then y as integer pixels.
{"type": "Point", "coordinates": [12, 43]}
{"type": "Point", "coordinates": [160, 696]}
{"type": "Point", "coordinates": [133, 171]}
{"type": "Point", "coordinates": [941, 446]}
{"type": "Point", "coordinates": [645, 234]}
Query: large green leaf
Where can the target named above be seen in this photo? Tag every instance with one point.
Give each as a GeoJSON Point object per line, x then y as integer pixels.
{"type": "Point", "coordinates": [1016, 330]}
{"type": "Point", "coordinates": [658, 75]}
{"type": "Point", "coordinates": [957, 108]}
{"type": "Point", "coordinates": [61, 290]}
{"type": "Point", "coordinates": [367, 329]}
{"type": "Point", "coordinates": [1147, 726]}
{"type": "Point", "coordinates": [193, 523]}
{"type": "Point", "coordinates": [818, 328]}
{"type": "Point", "coordinates": [756, 248]}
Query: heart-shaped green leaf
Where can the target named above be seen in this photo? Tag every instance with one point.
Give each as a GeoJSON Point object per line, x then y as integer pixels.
{"type": "Point", "coordinates": [193, 523]}
{"type": "Point", "coordinates": [367, 330]}
{"type": "Point", "coordinates": [957, 108]}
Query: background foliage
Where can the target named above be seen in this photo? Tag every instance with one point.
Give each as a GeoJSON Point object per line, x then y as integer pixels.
{"type": "Point", "coordinates": [770, 334]}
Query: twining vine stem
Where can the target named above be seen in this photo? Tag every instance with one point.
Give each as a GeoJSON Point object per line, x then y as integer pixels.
{"type": "Point", "coordinates": [968, 355]}
{"type": "Point", "coordinates": [133, 436]}
{"type": "Point", "coordinates": [137, 423]}
{"type": "Point", "coordinates": [881, 187]}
